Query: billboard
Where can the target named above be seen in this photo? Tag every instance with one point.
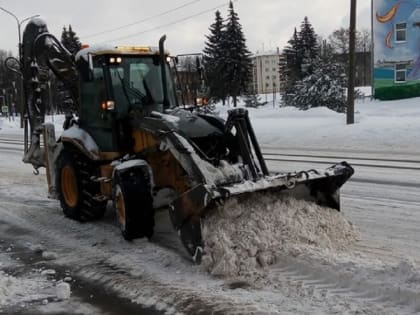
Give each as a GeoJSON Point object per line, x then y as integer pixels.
{"type": "Point", "coordinates": [396, 53]}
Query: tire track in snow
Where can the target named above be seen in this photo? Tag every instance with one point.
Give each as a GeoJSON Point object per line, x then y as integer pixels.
{"type": "Point", "coordinates": [334, 283]}
{"type": "Point", "coordinates": [120, 266]}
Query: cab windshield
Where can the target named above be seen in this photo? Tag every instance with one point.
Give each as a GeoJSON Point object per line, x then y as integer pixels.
{"type": "Point", "coordinates": [137, 82]}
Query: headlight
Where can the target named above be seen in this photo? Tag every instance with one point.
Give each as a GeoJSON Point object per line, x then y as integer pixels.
{"type": "Point", "coordinates": [108, 105]}
{"type": "Point", "coordinates": [201, 101]}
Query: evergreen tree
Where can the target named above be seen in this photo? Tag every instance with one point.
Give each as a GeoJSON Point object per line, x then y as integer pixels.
{"type": "Point", "coordinates": [212, 60]}
{"type": "Point", "coordinates": [300, 55]}
{"type": "Point", "coordinates": [70, 40]}
{"type": "Point", "coordinates": [326, 86]}
{"type": "Point", "coordinates": [61, 95]}
{"type": "Point", "coordinates": [236, 57]}
{"type": "Point", "coordinates": [309, 45]}
{"type": "Point", "coordinates": [290, 66]}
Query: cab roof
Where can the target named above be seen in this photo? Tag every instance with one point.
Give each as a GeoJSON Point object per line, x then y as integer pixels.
{"type": "Point", "coordinates": [105, 49]}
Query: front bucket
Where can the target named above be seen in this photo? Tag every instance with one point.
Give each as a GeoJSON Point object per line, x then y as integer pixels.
{"type": "Point", "coordinates": [319, 186]}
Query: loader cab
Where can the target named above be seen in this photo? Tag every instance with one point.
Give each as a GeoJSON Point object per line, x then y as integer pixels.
{"type": "Point", "coordinates": [116, 82]}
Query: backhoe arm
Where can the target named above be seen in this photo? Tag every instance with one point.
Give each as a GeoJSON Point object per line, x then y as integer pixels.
{"type": "Point", "coordinates": [42, 54]}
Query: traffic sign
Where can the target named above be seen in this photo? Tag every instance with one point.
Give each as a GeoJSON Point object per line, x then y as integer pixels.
{"type": "Point", "coordinates": [4, 109]}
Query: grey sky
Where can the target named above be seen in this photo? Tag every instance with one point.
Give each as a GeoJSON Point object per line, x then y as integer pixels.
{"type": "Point", "coordinates": [266, 23]}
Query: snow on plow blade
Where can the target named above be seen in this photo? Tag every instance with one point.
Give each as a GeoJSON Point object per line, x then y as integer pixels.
{"type": "Point", "coordinates": [320, 186]}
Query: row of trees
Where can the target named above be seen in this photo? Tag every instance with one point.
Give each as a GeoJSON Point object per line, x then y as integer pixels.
{"type": "Point", "coordinates": [311, 73]}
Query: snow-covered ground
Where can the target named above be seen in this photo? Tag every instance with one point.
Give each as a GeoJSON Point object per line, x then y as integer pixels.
{"type": "Point", "coordinates": [363, 260]}
{"type": "Point", "coordinates": [379, 125]}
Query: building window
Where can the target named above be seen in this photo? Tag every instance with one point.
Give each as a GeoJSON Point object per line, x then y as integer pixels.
{"type": "Point", "coordinates": [266, 69]}
{"type": "Point", "coordinates": [400, 72]}
{"type": "Point", "coordinates": [267, 77]}
{"type": "Point", "coordinates": [400, 32]}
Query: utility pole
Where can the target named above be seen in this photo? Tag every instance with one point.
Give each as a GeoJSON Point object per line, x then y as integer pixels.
{"type": "Point", "coordinates": [352, 49]}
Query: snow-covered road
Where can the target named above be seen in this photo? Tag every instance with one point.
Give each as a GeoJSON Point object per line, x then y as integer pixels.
{"type": "Point", "coordinates": [376, 275]}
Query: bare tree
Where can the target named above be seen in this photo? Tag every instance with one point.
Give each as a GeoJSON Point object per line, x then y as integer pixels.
{"type": "Point", "coordinates": [363, 40]}
{"type": "Point", "coordinates": [339, 40]}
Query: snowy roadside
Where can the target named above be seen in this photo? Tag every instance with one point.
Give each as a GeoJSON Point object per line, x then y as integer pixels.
{"type": "Point", "coordinates": [379, 126]}
{"type": "Point", "coordinates": [391, 126]}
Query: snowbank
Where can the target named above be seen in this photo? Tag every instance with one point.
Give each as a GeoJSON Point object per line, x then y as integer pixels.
{"type": "Point", "coordinates": [379, 125]}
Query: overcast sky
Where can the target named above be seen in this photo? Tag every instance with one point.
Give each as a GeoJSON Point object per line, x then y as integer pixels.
{"type": "Point", "coordinates": [267, 24]}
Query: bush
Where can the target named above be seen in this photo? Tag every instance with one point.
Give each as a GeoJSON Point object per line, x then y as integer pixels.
{"type": "Point", "coordinates": [397, 92]}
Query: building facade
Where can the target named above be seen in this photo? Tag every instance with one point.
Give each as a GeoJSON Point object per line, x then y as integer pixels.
{"type": "Point", "coordinates": [265, 74]}
{"type": "Point", "coordinates": [396, 53]}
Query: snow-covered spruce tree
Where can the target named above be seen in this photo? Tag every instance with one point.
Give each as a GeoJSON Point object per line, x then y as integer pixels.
{"type": "Point", "coordinates": [70, 40]}
{"type": "Point", "coordinates": [290, 69]}
{"type": "Point", "coordinates": [326, 86]}
{"type": "Point", "coordinates": [212, 60]}
{"type": "Point", "coordinates": [300, 55]}
{"type": "Point", "coordinates": [309, 46]}
{"type": "Point", "coordinates": [236, 57]}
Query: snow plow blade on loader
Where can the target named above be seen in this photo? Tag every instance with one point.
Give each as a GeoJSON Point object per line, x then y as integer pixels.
{"type": "Point", "coordinates": [320, 186]}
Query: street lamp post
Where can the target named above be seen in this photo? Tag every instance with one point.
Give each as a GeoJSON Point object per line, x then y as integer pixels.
{"type": "Point", "coordinates": [19, 23]}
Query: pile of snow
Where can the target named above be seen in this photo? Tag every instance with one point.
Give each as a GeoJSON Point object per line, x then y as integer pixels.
{"type": "Point", "coordinates": [241, 238]}
{"type": "Point", "coordinates": [18, 290]}
{"type": "Point", "coordinates": [63, 291]}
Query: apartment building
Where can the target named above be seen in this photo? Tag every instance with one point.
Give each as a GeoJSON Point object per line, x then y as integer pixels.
{"type": "Point", "coordinates": [265, 75]}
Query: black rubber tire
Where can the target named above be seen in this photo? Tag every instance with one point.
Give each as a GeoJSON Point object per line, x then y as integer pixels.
{"type": "Point", "coordinates": [83, 207]}
{"type": "Point", "coordinates": [132, 196]}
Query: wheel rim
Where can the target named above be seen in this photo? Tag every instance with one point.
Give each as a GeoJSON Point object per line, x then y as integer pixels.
{"type": "Point", "coordinates": [69, 186]}
{"type": "Point", "coordinates": [120, 207]}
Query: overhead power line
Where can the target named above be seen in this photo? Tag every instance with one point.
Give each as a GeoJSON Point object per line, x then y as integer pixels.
{"type": "Point", "coordinates": [169, 24]}
{"type": "Point", "coordinates": [142, 21]}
